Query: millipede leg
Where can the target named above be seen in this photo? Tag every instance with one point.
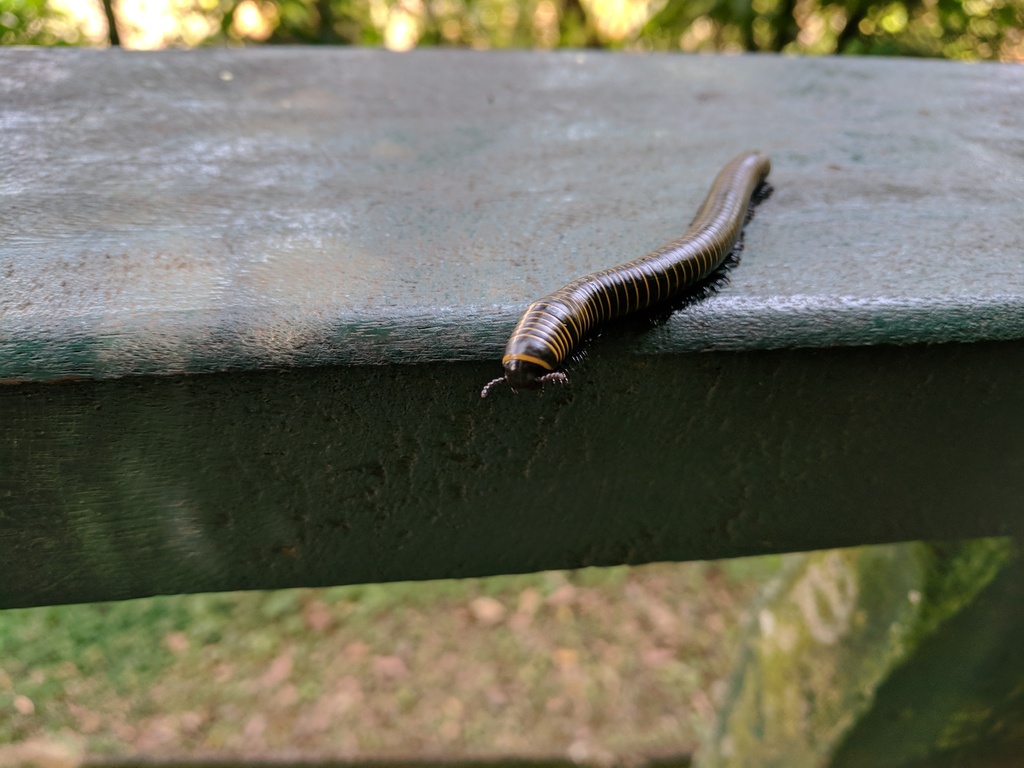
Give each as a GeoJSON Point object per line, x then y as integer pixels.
{"type": "Point", "coordinates": [559, 376]}
{"type": "Point", "coordinates": [763, 192]}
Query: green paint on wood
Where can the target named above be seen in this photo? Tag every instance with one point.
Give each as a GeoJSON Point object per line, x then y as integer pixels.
{"type": "Point", "coordinates": [347, 207]}
{"type": "Point", "coordinates": [328, 476]}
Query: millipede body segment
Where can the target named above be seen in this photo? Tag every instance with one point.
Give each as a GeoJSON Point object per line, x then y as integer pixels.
{"type": "Point", "coordinates": [552, 327]}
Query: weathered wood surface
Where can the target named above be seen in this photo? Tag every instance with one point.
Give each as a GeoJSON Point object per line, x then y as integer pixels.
{"type": "Point", "coordinates": [372, 224]}
{"type": "Point", "coordinates": [211, 210]}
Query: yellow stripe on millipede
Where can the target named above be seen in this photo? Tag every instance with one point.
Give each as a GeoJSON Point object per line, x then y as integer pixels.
{"type": "Point", "coordinates": [554, 345]}
{"type": "Point", "coordinates": [549, 332]}
{"type": "Point", "coordinates": [527, 359]}
{"type": "Point", "coordinates": [570, 318]}
{"type": "Point", "coordinates": [560, 338]}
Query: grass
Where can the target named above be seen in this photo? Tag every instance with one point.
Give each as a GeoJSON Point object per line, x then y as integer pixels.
{"type": "Point", "coordinates": [597, 665]}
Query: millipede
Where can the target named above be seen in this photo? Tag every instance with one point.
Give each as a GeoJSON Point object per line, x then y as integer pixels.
{"type": "Point", "coordinates": [553, 327]}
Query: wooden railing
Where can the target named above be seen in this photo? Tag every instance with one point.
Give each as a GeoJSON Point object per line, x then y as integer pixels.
{"type": "Point", "coordinates": [249, 299]}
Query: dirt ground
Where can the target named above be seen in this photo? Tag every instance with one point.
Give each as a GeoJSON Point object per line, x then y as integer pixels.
{"type": "Point", "coordinates": [598, 666]}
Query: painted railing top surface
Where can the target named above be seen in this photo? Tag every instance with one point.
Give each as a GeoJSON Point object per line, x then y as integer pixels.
{"type": "Point", "coordinates": [210, 210]}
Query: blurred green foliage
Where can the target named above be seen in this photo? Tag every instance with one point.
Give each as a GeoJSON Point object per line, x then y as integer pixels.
{"type": "Point", "coordinates": [25, 22]}
{"type": "Point", "coordinates": [964, 29]}
{"type": "Point", "coordinates": [958, 29]}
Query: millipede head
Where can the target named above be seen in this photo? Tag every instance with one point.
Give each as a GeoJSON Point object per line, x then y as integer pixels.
{"type": "Point", "coordinates": [519, 377]}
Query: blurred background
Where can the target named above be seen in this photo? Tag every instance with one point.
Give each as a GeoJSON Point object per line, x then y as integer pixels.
{"type": "Point", "coordinates": [599, 666]}
{"type": "Point", "coordinates": [956, 29]}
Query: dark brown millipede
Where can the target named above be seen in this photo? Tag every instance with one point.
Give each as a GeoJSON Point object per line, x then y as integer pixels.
{"type": "Point", "coordinates": [552, 327]}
